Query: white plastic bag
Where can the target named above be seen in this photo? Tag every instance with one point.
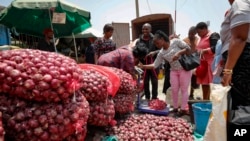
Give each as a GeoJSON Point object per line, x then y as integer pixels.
{"type": "Point", "coordinates": [216, 128]}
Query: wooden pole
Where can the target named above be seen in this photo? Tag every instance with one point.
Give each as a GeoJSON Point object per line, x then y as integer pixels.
{"type": "Point", "coordinates": [137, 8]}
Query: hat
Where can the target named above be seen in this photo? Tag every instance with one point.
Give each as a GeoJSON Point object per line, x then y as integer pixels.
{"type": "Point", "coordinates": [47, 30]}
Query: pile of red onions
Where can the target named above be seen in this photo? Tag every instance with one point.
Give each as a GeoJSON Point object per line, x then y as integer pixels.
{"type": "Point", "coordinates": [102, 113]}
{"type": "Point", "coordinates": [38, 75]}
{"type": "Point", "coordinates": [2, 132]}
{"type": "Point", "coordinates": [148, 127]}
{"type": "Point", "coordinates": [94, 85]}
{"type": "Point", "coordinates": [157, 104]}
{"type": "Point", "coordinates": [124, 103]}
{"type": "Point", "coordinates": [32, 121]}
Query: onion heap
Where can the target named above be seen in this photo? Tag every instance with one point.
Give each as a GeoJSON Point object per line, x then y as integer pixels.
{"type": "Point", "coordinates": [2, 132]}
{"type": "Point", "coordinates": [148, 127]}
{"type": "Point", "coordinates": [102, 113]}
{"type": "Point", "coordinates": [157, 104]}
{"type": "Point", "coordinates": [32, 121]}
{"type": "Point", "coordinates": [38, 75]}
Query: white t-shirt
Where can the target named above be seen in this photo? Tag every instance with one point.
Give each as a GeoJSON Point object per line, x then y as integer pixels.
{"type": "Point", "coordinates": [238, 14]}
{"type": "Point", "coordinates": [167, 54]}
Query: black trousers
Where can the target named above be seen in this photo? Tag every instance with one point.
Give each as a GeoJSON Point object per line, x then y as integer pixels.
{"type": "Point", "coordinates": [150, 76]}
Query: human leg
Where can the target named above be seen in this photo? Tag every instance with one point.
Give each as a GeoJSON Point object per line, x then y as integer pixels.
{"type": "Point", "coordinates": [154, 83]}
{"type": "Point", "coordinates": [206, 91]}
{"type": "Point", "coordinates": [184, 79]}
{"type": "Point", "coordinates": [146, 85]}
{"type": "Point", "coordinates": [174, 81]}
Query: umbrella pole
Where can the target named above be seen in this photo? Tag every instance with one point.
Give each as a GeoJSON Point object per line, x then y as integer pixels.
{"type": "Point", "coordinates": [76, 51]}
{"type": "Point", "coordinates": [54, 41]}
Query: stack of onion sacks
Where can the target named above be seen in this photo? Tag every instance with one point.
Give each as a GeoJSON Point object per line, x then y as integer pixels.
{"type": "Point", "coordinates": [126, 95]}
{"type": "Point", "coordinates": [2, 132]}
{"type": "Point", "coordinates": [39, 98]}
{"type": "Point", "coordinates": [95, 88]}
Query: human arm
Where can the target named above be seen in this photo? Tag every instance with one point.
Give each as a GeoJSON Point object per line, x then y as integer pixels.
{"type": "Point", "coordinates": [185, 48]}
{"type": "Point", "coordinates": [153, 53]}
{"type": "Point", "coordinates": [239, 36]}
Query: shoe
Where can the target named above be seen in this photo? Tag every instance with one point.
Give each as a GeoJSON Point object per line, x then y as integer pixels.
{"type": "Point", "coordinates": [182, 113]}
{"type": "Point", "coordinates": [191, 97]}
{"type": "Point", "coordinates": [175, 110]}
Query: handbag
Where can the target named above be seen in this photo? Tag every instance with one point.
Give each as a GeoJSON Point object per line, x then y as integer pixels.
{"type": "Point", "coordinates": [201, 70]}
{"type": "Point", "coordinates": [190, 61]}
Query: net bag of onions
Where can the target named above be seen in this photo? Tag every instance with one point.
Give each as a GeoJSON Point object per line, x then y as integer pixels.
{"type": "Point", "coordinates": [32, 121]}
{"type": "Point", "coordinates": [38, 75]}
{"type": "Point", "coordinates": [127, 85]}
{"type": "Point", "coordinates": [124, 103]}
{"type": "Point", "coordinates": [102, 113]}
{"type": "Point", "coordinates": [2, 132]}
{"type": "Point", "coordinates": [113, 78]}
{"type": "Point", "coordinates": [94, 85]}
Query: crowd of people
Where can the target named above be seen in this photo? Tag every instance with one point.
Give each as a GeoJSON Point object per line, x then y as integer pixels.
{"type": "Point", "coordinates": [226, 55]}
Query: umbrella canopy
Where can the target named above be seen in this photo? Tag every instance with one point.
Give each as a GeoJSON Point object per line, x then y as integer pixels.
{"type": "Point", "coordinates": [88, 33]}
{"type": "Point", "coordinates": [33, 16]}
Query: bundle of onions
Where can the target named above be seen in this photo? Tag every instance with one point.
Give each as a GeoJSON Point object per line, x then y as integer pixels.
{"type": "Point", "coordinates": [38, 75]}
{"type": "Point", "coordinates": [32, 121]}
{"type": "Point", "coordinates": [102, 113]}
{"type": "Point", "coordinates": [94, 85]}
{"type": "Point", "coordinates": [128, 85]}
{"type": "Point", "coordinates": [2, 132]}
{"type": "Point", "coordinates": [124, 103]}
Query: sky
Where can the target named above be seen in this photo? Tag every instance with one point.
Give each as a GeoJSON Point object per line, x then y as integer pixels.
{"type": "Point", "coordinates": [188, 12]}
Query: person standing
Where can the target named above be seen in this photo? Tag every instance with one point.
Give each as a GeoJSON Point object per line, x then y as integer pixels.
{"type": "Point", "coordinates": [104, 44]}
{"type": "Point", "coordinates": [179, 78]}
{"type": "Point", "coordinates": [146, 39]}
{"type": "Point", "coordinates": [192, 40]}
{"type": "Point", "coordinates": [235, 37]}
{"type": "Point", "coordinates": [205, 50]}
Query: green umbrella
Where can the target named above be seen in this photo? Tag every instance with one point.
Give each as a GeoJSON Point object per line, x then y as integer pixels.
{"type": "Point", "coordinates": [33, 16]}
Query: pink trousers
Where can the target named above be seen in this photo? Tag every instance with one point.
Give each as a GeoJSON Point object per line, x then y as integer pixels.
{"type": "Point", "coordinates": [180, 80]}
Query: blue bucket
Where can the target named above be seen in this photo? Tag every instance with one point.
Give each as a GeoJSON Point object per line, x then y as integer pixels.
{"type": "Point", "coordinates": [202, 113]}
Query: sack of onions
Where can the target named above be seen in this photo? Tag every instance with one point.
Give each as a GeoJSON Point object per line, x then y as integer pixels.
{"type": "Point", "coordinates": [127, 85]}
{"type": "Point", "coordinates": [94, 85]}
{"type": "Point", "coordinates": [38, 75]}
{"type": "Point", "coordinates": [29, 121]}
{"type": "Point", "coordinates": [124, 103]}
{"type": "Point", "coordinates": [78, 136]}
{"type": "Point", "coordinates": [101, 113]}
{"type": "Point", "coordinates": [2, 132]}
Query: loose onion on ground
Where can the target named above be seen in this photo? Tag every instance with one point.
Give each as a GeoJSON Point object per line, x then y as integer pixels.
{"type": "Point", "coordinates": [38, 75]}
{"type": "Point", "coordinates": [146, 127]}
{"type": "Point", "coordinates": [33, 121]}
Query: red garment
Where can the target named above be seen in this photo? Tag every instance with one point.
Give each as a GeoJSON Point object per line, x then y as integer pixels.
{"type": "Point", "coordinates": [209, 57]}
{"type": "Point", "coordinates": [121, 58]}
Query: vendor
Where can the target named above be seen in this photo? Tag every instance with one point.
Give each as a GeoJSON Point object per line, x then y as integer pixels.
{"type": "Point", "coordinates": [125, 58]}
{"type": "Point", "coordinates": [47, 44]}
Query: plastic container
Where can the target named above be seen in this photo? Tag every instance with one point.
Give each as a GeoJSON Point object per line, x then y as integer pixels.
{"type": "Point", "coordinates": [202, 113]}
{"type": "Point", "coordinates": [190, 103]}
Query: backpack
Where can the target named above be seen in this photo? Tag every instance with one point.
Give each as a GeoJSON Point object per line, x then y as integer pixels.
{"type": "Point", "coordinates": [213, 39]}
